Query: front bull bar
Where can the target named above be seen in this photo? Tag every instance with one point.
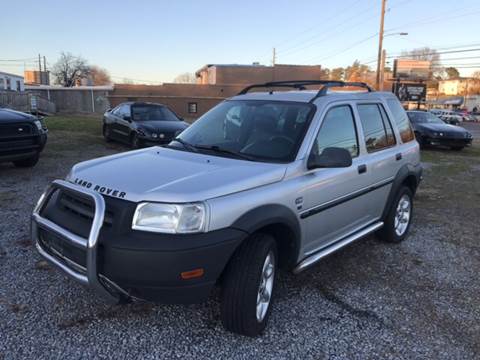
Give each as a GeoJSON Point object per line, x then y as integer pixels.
{"type": "Point", "coordinates": [88, 276]}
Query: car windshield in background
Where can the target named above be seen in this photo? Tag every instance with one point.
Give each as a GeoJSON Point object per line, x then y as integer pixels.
{"type": "Point", "coordinates": [152, 113]}
{"type": "Point", "coordinates": [251, 129]}
{"type": "Point", "coordinates": [424, 117]}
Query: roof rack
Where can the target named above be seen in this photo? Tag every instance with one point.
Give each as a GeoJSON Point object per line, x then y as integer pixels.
{"type": "Point", "coordinates": [300, 84]}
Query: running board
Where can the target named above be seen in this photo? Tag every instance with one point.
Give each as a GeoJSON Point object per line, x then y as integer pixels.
{"type": "Point", "coordinates": [309, 261]}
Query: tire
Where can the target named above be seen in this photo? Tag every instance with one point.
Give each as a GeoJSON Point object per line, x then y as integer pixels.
{"type": "Point", "coordinates": [106, 133]}
{"type": "Point", "coordinates": [29, 162]}
{"type": "Point", "coordinates": [392, 231]}
{"type": "Point", "coordinates": [242, 283]}
{"type": "Point", "coordinates": [134, 142]}
{"type": "Point", "coordinates": [457, 148]}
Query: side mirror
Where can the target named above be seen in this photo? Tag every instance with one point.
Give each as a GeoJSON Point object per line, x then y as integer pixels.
{"type": "Point", "coordinates": [331, 157]}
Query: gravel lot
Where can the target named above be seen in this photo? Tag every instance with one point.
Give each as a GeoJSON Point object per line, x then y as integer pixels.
{"type": "Point", "coordinates": [418, 299]}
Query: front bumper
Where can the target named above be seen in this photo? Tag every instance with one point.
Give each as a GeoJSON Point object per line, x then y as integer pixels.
{"type": "Point", "coordinates": [117, 262]}
{"type": "Point", "coordinates": [447, 141]}
{"type": "Point", "coordinates": [21, 147]}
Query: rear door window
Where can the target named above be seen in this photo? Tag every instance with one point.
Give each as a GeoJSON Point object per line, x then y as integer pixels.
{"type": "Point", "coordinates": [401, 120]}
{"type": "Point", "coordinates": [377, 130]}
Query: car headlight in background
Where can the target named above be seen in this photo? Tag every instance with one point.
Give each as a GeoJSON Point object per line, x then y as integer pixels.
{"type": "Point", "coordinates": [154, 135]}
{"type": "Point", "coordinates": [38, 124]}
{"type": "Point", "coordinates": [170, 218]}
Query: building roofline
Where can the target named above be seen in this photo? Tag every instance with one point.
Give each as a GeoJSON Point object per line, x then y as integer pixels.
{"type": "Point", "coordinates": [10, 74]}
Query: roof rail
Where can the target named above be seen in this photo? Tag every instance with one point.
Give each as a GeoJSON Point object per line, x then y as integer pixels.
{"type": "Point", "coordinates": [300, 84]}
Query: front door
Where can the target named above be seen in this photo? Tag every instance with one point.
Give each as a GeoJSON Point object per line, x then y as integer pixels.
{"type": "Point", "coordinates": [334, 200]}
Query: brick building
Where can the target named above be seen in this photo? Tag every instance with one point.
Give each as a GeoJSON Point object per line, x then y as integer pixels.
{"type": "Point", "coordinates": [215, 82]}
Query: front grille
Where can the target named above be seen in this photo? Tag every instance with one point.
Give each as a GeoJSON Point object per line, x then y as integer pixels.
{"type": "Point", "coordinates": [62, 249]}
{"type": "Point", "coordinates": [20, 129]}
{"type": "Point", "coordinates": [83, 208]}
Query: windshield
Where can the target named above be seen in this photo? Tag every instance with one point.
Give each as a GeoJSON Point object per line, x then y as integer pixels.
{"type": "Point", "coordinates": [259, 130]}
{"type": "Point", "coordinates": [424, 117]}
{"type": "Point", "coordinates": [152, 113]}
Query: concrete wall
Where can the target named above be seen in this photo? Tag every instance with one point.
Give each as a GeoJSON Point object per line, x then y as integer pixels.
{"type": "Point", "coordinates": [88, 99]}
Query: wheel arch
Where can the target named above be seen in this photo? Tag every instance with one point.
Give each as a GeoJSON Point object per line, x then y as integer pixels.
{"type": "Point", "coordinates": [280, 222]}
{"type": "Point", "coordinates": [408, 175]}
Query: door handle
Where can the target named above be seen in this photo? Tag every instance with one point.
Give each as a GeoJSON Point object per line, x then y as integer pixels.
{"type": "Point", "coordinates": [398, 156]}
{"type": "Point", "coordinates": [362, 169]}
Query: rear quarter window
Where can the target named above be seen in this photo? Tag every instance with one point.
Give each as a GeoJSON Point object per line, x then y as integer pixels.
{"type": "Point", "coordinates": [401, 120]}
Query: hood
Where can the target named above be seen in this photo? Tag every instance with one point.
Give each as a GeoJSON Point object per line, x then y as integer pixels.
{"type": "Point", "coordinates": [167, 126]}
{"type": "Point", "coordinates": [447, 128]}
{"type": "Point", "coordinates": [167, 175]}
{"type": "Point", "coordinates": [12, 116]}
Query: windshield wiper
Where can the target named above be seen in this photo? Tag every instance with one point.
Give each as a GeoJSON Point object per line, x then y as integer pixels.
{"type": "Point", "coordinates": [218, 149]}
{"type": "Point", "coordinates": [186, 145]}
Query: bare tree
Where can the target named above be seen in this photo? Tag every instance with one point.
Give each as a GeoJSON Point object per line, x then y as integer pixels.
{"type": "Point", "coordinates": [99, 76]}
{"type": "Point", "coordinates": [427, 54]}
{"type": "Point", "coordinates": [452, 72]}
{"type": "Point", "coordinates": [185, 78]}
{"type": "Point", "coordinates": [69, 69]}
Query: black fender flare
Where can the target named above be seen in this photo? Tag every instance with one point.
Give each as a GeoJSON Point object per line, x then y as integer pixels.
{"type": "Point", "coordinates": [407, 170]}
{"type": "Point", "coordinates": [271, 214]}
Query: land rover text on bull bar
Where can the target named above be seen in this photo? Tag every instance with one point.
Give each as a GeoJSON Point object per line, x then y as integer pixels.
{"type": "Point", "coordinates": [263, 180]}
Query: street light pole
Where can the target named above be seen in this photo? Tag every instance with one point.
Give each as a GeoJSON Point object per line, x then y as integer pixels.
{"type": "Point", "coordinates": [380, 43]}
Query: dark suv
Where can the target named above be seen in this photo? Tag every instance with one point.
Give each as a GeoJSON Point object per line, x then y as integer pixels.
{"type": "Point", "coordinates": [22, 138]}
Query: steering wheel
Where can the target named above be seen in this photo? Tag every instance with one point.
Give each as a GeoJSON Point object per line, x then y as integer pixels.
{"type": "Point", "coordinates": [283, 139]}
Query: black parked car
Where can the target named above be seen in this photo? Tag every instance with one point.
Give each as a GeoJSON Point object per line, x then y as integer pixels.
{"type": "Point", "coordinates": [142, 124]}
{"type": "Point", "coordinates": [22, 138]}
{"type": "Point", "coordinates": [431, 130]}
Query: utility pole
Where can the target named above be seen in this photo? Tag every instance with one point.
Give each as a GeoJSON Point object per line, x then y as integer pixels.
{"type": "Point", "coordinates": [380, 43]}
{"type": "Point", "coordinates": [39, 63]}
{"type": "Point", "coordinates": [274, 57]}
{"type": "Point", "coordinates": [382, 70]}
{"type": "Point", "coordinates": [44, 64]}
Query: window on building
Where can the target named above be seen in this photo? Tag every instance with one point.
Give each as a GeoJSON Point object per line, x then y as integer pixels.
{"type": "Point", "coordinates": [9, 84]}
{"type": "Point", "coordinates": [401, 119]}
{"type": "Point", "coordinates": [19, 85]}
{"type": "Point", "coordinates": [192, 108]}
{"type": "Point", "coordinates": [337, 130]}
{"type": "Point", "coordinates": [2, 84]}
{"type": "Point", "coordinates": [376, 128]}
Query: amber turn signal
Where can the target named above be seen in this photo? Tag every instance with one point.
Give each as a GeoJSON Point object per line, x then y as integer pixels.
{"type": "Point", "coordinates": [192, 274]}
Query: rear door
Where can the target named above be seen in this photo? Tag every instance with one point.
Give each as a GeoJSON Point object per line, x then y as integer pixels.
{"type": "Point", "coordinates": [383, 157]}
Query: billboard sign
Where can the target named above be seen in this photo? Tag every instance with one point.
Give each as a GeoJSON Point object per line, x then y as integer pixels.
{"type": "Point", "coordinates": [406, 69]}
{"type": "Point", "coordinates": [410, 91]}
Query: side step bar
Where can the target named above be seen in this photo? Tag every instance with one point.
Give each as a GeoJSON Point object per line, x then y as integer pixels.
{"type": "Point", "coordinates": [309, 261]}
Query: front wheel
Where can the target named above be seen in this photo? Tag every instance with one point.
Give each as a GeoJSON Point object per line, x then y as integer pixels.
{"type": "Point", "coordinates": [248, 286]}
{"type": "Point", "coordinates": [106, 133]}
{"type": "Point", "coordinates": [134, 141]}
{"type": "Point", "coordinates": [398, 220]}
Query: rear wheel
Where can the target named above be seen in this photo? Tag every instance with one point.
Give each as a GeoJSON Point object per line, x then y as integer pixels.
{"type": "Point", "coordinates": [29, 162]}
{"type": "Point", "coordinates": [398, 220]}
{"type": "Point", "coordinates": [248, 286]}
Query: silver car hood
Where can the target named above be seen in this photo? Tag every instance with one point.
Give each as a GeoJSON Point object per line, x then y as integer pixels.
{"type": "Point", "coordinates": [167, 175]}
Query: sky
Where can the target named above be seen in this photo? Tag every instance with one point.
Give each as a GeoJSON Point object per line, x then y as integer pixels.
{"type": "Point", "coordinates": [154, 41]}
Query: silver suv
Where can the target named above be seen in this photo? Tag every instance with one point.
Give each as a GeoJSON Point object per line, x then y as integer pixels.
{"type": "Point", "coordinates": [263, 180]}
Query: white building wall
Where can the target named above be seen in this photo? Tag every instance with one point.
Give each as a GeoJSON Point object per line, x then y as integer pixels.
{"type": "Point", "coordinates": [11, 82]}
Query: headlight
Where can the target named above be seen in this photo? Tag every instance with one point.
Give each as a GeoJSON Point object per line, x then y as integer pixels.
{"type": "Point", "coordinates": [38, 124]}
{"type": "Point", "coordinates": [170, 218]}
{"type": "Point", "coordinates": [154, 135]}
